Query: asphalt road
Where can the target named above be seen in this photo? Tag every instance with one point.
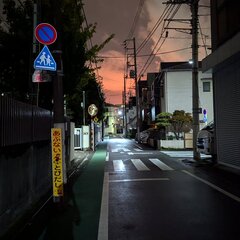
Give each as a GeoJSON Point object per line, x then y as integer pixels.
{"type": "Point", "coordinates": [127, 191]}
{"type": "Point", "coordinates": [150, 195]}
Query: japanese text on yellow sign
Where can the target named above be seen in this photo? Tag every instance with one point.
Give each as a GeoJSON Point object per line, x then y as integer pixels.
{"type": "Point", "coordinates": [57, 171]}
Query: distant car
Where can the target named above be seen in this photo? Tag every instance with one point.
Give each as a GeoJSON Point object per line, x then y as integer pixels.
{"type": "Point", "coordinates": [205, 140]}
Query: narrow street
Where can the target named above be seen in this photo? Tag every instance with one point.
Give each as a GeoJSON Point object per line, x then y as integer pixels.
{"type": "Point", "coordinates": [130, 191]}
{"type": "Point", "coordinates": [154, 196]}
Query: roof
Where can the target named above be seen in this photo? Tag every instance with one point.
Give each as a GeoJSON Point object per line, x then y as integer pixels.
{"type": "Point", "coordinates": [177, 66]}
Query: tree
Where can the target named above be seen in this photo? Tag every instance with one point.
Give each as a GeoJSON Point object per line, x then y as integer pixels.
{"type": "Point", "coordinates": [163, 119]}
{"type": "Point", "coordinates": [16, 45]}
{"type": "Point", "coordinates": [178, 122]}
{"type": "Point", "coordinates": [79, 62]}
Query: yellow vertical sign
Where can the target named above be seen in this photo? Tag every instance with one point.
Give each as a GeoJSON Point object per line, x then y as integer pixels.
{"type": "Point", "coordinates": [57, 169]}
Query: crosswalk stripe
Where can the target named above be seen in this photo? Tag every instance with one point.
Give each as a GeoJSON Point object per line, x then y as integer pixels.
{"type": "Point", "coordinates": [139, 165]}
{"type": "Point", "coordinates": [118, 166]}
{"type": "Point", "coordinates": [160, 164]}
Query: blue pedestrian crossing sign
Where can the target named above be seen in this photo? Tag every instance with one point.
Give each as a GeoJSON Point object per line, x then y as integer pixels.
{"type": "Point", "coordinates": [45, 60]}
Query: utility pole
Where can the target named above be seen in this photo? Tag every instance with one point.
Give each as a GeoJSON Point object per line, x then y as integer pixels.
{"type": "Point", "coordinates": [84, 108]}
{"type": "Point", "coordinates": [58, 106]}
{"type": "Point", "coordinates": [124, 100]}
{"type": "Point", "coordinates": [137, 92]}
{"type": "Point", "coordinates": [136, 81]}
{"type": "Point", "coordinates": [195, 93]}
{"type": "Point", "coordinates": [195, 99]}
{"type": "Point", "coordinates": [124, 105]}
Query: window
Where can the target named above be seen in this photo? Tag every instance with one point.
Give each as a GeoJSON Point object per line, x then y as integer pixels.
{"type": "Point", "coordinates": [206, 87]}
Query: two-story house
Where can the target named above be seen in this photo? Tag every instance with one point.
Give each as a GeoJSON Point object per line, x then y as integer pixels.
{"type": "Point", "coordinates": [176, 90]}
{"type": "Point", "coordinates": [172, 90]}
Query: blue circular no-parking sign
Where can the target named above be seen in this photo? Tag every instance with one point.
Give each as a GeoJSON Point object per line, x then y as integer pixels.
{"type": "Point", "coordinates": [45, 33]}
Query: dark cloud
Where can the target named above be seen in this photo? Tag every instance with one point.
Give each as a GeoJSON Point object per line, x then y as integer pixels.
{"type": "Point", "coordinates": [115, 17]}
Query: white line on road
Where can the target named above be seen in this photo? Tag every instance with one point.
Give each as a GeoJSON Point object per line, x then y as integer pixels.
{"type": "Point", "coordinates": [182, 154]}
{"type": "Point", "coordinates": [118, 166]}
{"type": "Point", "coordinates": [103, 221]}
{"type": "Point", "coordinates": [138, 147]}
{"type": "Point", "coordinates": [139, 180]}
{"type": "Point", "coordinates": [140, 166]}
{"type": "Point", "coordinates": [138, 150]}
{"type": "Point", "coordinates": [141, 153]}
{"type": "Point", "coordinates": [116, 150]}
{"type": "Point", "coordinates": [107, 157]}
{"type": "Point", "coordinates": [214, 186]}
{"type": "Point", "coordinates": [160, 164]}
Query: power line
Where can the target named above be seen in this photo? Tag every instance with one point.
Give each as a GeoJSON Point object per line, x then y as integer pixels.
{"type": "Point", "coordinates": [203, 40]}
{"type": "Point", "coordinates": [147, 55]}
{"type": "Point", "coordinates": [155, 27]}
{"type": "Point", "coordinates": [150, 59]}
{"type": "Point", "coordinates": [136, 18]}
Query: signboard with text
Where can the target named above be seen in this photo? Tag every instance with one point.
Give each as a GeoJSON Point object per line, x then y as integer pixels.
{"type": "Point", "coordinates": [57, 162]}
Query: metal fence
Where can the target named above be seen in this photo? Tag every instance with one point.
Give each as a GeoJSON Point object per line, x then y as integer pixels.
{"type": "Point", "coordinates": [23, 123]}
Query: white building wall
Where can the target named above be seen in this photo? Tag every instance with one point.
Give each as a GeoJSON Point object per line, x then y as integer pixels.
{"type": "Point", "coordinates": [111, 114]}
{"type": "Point", "coordinates": [178, 93]}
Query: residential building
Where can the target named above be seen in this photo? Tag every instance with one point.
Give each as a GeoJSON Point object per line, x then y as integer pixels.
{"type": "Point", "coordinates": [113, 120]}
{"type": "Point", "coordinates": [224, 63]}
{"type": "Point", "coordinates": [143, 104]}
{"type": "Point", "coordinates": [153, 96]}
{"type": "Point", "coordinates": [176, 90]}
{"type": "Point", "coordinates": [171, 90]}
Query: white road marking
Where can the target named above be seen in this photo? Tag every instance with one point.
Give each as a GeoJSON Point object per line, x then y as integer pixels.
{"type": "Point", "coordinates": [103, 220]}
{"type": "Point", "coordinates": [160, 164]}
{"type": "Point", "coordinates": [141, 153]}
{"type": "Point", "coordinates": [138, 149]}
{"type": "Point", "coordinates": [115, 150]}
{"type": "Point", "coordinates": [118, 166]}
{"type": "Point", "coordinates": [139, 180]}
{"type": "Point", "coordinates": [182, 154]}
{"type": "Point", "coordinates": [234, 197]}
{"type": "Point", "coordinates": [139, 165]}
{"type": "Point", "coordinates": [107, 157]}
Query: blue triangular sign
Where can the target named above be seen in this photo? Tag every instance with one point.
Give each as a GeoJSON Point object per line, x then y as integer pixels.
{"type": "Point", "coordinates": [45, 60]}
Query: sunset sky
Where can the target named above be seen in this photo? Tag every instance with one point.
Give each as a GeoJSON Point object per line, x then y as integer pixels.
{"type": "Point", "coordinates": [117, 17]}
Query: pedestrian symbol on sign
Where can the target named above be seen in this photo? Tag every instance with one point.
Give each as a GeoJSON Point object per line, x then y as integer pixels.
{"type": "Point", "coordinates": [45, 60]}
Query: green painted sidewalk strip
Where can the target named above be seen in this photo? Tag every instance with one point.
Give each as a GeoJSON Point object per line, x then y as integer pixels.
{"type": "Point", "coordinates": [78, 217]}
{"type": "Point", "coordinates": [87, 195]}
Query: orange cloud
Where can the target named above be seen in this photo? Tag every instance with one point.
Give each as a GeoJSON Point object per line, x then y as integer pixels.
{"type": "Point", "coordinates": [112, 72]}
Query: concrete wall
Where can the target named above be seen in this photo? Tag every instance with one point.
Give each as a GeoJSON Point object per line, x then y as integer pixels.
{"type": "Point", "coordinates": [174, 144]}
{"type": "Point", "coordinates": [25, 177]}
